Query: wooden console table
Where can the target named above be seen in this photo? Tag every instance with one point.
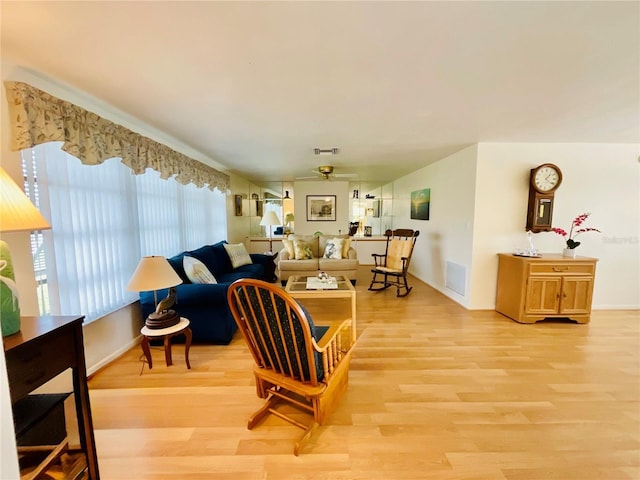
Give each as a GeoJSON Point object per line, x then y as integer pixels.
{"type": "Point", "coordinates": [531, 289]}
{"type": "Point", "coordinates": [42, 349]}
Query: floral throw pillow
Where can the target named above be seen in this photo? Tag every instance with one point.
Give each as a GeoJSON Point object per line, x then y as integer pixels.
{"type": "Point", "coordinates": [196, 271]}
{"type": "Point", "coordinates": [334, 248]}
{"type": "Point", "coordinates": [302, 250]}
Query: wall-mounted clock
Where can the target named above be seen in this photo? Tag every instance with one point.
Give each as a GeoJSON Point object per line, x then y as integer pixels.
{"type": "Point", "coordinates": [543, 183]}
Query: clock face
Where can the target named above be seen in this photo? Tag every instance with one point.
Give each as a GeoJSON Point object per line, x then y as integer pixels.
{"type": "Point", "coordinates": [547, 178]}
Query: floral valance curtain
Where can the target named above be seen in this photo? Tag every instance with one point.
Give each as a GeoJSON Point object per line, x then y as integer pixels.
{"type": "Point", "coordinates": [37, 117]}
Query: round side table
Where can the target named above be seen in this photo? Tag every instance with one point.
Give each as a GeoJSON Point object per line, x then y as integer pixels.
{"type": "Point", "coordinates": [182, 327]}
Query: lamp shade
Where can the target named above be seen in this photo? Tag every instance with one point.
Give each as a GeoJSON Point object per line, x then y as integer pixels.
{"type": "Point", "coordinates": [270, 218]}
{"type": "Point", "coordinates": [153, 273]}
{"type": "Point", "coordinates": [17, 213]}
{"type": "Point", "coordinates": [288, 217]}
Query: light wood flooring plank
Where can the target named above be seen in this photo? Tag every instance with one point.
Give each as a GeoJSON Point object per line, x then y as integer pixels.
{"type": "Point", "coordinates": [435, 392]}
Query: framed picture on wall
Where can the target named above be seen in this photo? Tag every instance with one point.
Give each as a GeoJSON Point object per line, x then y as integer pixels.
{"type": "Point", "coordinates": [321, 208]}
{"type": "Point", "coordinates": [238, 205]}
{"type": "Point", "coordinates": [420, 204]}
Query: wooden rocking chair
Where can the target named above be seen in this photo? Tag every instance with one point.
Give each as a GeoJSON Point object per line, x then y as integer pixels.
{"type": "Point", "coordinates": [304, 365]}
{"type": "Point", "coordinates": [394, 264]}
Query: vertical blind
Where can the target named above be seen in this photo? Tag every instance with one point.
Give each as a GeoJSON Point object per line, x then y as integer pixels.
{"type": "Point", "coordinates": [104, 219]}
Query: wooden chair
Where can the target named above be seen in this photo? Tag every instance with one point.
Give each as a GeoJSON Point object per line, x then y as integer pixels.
{"type": "Point", "coordinates": [394, 264]}
{"type": "Point", "coordinates": [298, 363]}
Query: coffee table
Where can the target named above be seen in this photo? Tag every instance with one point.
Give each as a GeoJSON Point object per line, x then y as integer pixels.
{"type": "Point", "coordinates": [297, 288]}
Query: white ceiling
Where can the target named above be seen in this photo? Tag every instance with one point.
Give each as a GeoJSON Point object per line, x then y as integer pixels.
{"type": "Point", "coordinates": [394, 85]}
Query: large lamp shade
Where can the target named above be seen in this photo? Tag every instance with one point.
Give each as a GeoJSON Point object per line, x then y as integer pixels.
{"type": "Point", "coordinates": [17, 213]}
{"type": "Point", "coordinates": [270, 218]}
{"type": "Point", "coordinates": [153, 273]}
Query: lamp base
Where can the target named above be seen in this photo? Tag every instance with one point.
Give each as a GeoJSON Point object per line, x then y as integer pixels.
{"type": "Point", "coordinates": [9, 303]}
{"type": "Point", "coordinates": [165, 319]}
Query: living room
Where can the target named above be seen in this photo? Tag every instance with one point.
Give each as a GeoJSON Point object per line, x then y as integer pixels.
{"type": "Point", "coordinates": [478, 209]}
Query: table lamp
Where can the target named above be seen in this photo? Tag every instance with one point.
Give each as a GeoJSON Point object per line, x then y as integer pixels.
{"type": "Point", "coordinates": [17, 214]}
{"type": "Point", "coordinates": [270, 218]}
{"type": "Point", "coordinates": [152, 274]}
{"type": "Point", "coordinates": [288, 218]}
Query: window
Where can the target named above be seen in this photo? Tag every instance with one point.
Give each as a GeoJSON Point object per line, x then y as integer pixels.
{"type": "Point", "coordinates": [103, 220]}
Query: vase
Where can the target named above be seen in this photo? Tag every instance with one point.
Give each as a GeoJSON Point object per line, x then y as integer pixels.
{"type": "Point", "coordinates": [569, 252]}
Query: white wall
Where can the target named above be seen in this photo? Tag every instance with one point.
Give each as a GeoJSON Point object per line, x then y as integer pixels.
{"type": "Point", "coordinates": [448, 234]}
{"type": "Point", "coordinates": [238, 227]}
{"type": "Point", "coordinates": [478, 209]}
{"type": "Point", "coordinates": [599, 178]}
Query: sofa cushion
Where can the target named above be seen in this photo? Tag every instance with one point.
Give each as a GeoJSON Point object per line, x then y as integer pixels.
{"type": "Point", "coordinates": [238, 254]}
{"type": "Point", "coordinates": [254, 270]}
{"type": "Point", "coordinates": [197, 271]}
{"type": "Point", "coordinates": [288, 246]}
{"type": "Point", "coordinates": [311, 240]}
{"type": "Point", "coordinates": [176, 264]}
{"type": "Point", "coordinates": [331, 264]}
{"type": "Point", "coordinates": [334, 248]}
{"type": "Point", "coordinates": [322, 244]}
{"type": "Point", "coordinates": [299, 265]}
{"type": "Point", "coordinates": [346, 246]}
{"type": "Point", "coordinates": [214, 257]}
{"type": "Point", "coordinates": [302, 250]}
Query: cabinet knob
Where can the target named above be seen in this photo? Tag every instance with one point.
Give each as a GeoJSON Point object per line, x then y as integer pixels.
{"type": "Point", "coordinates": [560, 269]}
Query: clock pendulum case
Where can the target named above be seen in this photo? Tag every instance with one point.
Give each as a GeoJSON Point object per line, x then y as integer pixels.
{"type": "Point", "coordinates": [543, 183]}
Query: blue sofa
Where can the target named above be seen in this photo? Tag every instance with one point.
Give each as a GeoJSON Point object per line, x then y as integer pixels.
{"type": "Point", "coordinates": [205, 305]}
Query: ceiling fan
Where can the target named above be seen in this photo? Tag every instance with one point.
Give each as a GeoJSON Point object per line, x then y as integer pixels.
{"type": "Point", "coordinates": [326, 172]}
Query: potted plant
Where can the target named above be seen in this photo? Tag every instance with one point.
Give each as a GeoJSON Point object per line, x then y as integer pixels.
{"type": "Point", "coordinates": [576, 229]}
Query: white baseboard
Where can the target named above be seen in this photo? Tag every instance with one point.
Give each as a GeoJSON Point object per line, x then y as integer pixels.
{"type": "Point", "coordinates": [107, 360]}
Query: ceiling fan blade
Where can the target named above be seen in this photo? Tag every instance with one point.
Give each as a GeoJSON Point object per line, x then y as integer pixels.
{"type": "Point", "coordinates": [345, 175]}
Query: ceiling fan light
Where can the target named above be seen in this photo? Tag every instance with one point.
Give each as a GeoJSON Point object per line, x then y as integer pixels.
{"type": "Point", "coordinates": [325, 170]}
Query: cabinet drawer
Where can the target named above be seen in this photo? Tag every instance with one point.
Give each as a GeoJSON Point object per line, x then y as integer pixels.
{"type": "Point", "coordinates": [569, 268]}
{"type": "Point", "coordinates": [29, 368]}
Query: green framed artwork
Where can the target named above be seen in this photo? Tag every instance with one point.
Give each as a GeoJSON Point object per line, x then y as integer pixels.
{"type": "Point", "coordinates": [420, 204]}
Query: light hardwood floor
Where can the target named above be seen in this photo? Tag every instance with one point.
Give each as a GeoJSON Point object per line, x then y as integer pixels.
{"type": "Point", "coordinates": [436, 392]}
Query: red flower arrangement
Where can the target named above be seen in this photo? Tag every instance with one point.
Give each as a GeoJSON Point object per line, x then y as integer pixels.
{"type": "Point", "coordinates": [577, 222]}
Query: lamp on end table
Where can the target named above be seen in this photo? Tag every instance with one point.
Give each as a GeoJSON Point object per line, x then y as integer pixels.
{"type": "Point", "coordinates": [270, 218]}
{"type": "Point", "coordinates": [152, 274]}
{"type": "Point", "coordinates": [17, 214]}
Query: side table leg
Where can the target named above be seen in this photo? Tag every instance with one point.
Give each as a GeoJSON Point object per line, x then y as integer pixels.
{"type": "Point", "coordinates": [187, 346]}
{"type": "Point", "coordinates": [146, 350]}
{"type": "Point", "coordinates": [167, 350]}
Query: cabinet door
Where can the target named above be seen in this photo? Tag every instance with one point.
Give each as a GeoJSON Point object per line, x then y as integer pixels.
{"type": "Point", "coordinates": [576, 295]}
{"type": "Point", "coordinates": [543, 295]}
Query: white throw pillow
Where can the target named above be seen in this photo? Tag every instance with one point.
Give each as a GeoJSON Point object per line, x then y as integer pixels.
{"type": "Point", "coordinates": [237, 254]}
{"type": "Point", "coordinates": [197, 271]}
{"type": "Point", "coordinates": [334, 248]}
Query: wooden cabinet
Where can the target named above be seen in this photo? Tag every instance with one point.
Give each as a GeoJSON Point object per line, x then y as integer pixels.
{"type": "Point", "coordinates": [42, 349]}
{"type": "Point", "coordinates": [551, 286]}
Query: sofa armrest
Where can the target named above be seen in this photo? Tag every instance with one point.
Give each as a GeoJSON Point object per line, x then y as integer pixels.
{"type": "Point", "coordinates": [352, 254]}
{"type": "Point", "coordinates": [284, 255]}
{"type": "Point", "coordinates": [260, 258]}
